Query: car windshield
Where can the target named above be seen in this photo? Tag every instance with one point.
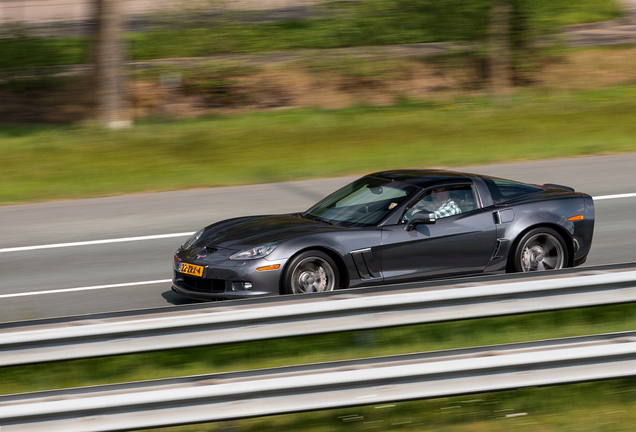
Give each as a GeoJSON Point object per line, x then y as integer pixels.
{"type": "Point", "coordinates": [364, 202]}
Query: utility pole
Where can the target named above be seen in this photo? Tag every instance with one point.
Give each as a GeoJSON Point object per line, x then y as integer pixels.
{"type": "Point", "coordinates": [108, 58]}
{"type": "Point", "coordinates": [500, 63]}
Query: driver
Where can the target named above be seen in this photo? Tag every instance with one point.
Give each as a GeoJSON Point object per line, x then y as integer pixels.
{"type": "Point", "coordinates": [444, 204]}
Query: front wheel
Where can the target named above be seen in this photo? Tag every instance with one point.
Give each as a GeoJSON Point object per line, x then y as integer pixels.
{"type": "Point", "coordinates": [311, 271]}
{"type": "Point", "coordinates": [540, 249]}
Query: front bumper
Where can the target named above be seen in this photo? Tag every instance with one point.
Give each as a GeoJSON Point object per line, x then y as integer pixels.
{"type": "Point", "coordinates": [186, 291]}
{"type": "Point", "coordinates": [225, 279]}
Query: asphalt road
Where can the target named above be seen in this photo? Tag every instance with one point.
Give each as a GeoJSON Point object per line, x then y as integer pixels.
{"type": "Point", "coordinates": [43, 276]}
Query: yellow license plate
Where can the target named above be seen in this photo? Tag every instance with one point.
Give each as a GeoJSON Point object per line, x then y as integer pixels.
{"type": "Point", "coordinates": [191, 269]}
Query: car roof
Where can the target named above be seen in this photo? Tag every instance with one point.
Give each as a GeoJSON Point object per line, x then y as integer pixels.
{"type": "Point", "coordinates": [422, 178]}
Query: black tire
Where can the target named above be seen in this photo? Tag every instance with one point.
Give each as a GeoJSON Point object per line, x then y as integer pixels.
{"type": "Point", "coordinates": [310, 271]}
{"type": "Point", "coordinates": [538, 250]}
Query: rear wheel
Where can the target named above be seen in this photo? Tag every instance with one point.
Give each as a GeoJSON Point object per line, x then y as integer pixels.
{"type": "Point", "coordinates": [311, 271]}
{"type": "Point", "coordinates": [540, 249]}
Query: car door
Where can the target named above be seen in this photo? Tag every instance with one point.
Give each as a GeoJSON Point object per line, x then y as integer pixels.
{"type": "Point", "coordinates": [455, 244]}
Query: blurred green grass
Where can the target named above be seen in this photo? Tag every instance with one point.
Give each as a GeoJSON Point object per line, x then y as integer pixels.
{"type": "Point", "coordinates": [372, 22]}
{"type": "Point", "coordinates": [43, 163]}
{"type": "Point", "coordinates": [590, 407]}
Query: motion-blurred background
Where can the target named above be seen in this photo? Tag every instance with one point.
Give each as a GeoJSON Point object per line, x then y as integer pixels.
{"type": "Point", "coordinates": [111, 97]}
{"type": "Point", "coordinates": [233, 92]}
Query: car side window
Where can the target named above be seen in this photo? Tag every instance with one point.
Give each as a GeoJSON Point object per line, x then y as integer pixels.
{"type": "Point", "coordinates": [444, 201]}
{"type": "Point", "coordinates": [505, 190]}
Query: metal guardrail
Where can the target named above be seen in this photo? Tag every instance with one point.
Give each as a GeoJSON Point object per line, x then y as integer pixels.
{"type": "Point", "coordinates": [320, 386]}
{"type": "Point", "coordinates": [357, 309]}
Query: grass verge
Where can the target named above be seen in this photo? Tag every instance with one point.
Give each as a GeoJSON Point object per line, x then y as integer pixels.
{"type": "Point", "coordinates": [591, 407]}
{"type": "Point", "coordinates": [48, 163]}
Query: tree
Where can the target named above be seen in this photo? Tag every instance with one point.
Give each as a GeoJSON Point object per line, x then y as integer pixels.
{"type": "Point", "coordinates": [500, 59]}
{"type": "Point", "coordinates": [108, 57]}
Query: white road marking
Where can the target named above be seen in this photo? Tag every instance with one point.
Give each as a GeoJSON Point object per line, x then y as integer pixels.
{"type": "Point", "coordinates": [163, 236]}
{"type": "Point", "coordinates": [606, 197]}
{"type": "Point", "coordinates": [96, 287]}
{"type": "Point", "coordinates": [94, 242]}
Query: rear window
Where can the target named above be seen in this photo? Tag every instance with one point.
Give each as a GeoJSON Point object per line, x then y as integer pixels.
{"type": "Point", "coordinates": [506, 190]}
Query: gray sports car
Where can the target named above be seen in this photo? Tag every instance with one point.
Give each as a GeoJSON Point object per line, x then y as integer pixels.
{"type": "Point", "coordinates": [390, 227]}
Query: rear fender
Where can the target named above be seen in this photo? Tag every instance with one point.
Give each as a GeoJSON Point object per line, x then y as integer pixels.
{"type": "Point", "coordinates": [553, 213]}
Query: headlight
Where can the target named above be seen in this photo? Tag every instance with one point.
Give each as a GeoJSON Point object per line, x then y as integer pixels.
{"type": "Point", "coordinates": [189, 242]}
{"type": "Point", "coordinates": [254, 253]}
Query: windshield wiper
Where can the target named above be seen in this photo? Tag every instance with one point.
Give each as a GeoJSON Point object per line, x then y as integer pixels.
{"type": "Point", "coordinates": [316, 218]}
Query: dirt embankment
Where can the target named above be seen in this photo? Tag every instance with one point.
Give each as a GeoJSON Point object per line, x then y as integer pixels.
{"type": "Point", "coordinates": [314, 83]}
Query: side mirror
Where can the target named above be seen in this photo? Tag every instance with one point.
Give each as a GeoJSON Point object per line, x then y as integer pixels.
{"type": "Point", "coordinates": [419, 218]}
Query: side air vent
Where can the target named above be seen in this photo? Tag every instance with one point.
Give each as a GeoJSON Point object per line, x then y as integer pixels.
{"type": "Point", "coordinates": [365, 263]}
{"type": "Point", "coordinates": [494, 254]}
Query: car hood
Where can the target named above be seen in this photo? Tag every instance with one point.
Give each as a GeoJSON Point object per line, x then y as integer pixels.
{"type": "Point", "coordinates": [261, 230]}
